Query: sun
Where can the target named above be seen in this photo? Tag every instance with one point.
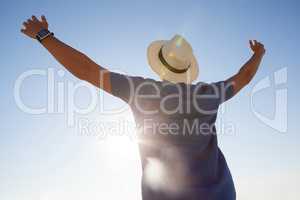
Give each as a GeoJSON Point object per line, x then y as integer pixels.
{"type": "Point", "coordinates": [121, 146]}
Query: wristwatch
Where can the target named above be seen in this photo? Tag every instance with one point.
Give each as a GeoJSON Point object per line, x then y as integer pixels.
{"type": "Point", "coordinates": [42, 34]}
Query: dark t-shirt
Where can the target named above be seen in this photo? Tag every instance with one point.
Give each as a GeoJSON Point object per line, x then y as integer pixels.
{"type": "Point", "coordinates": [177, 137]}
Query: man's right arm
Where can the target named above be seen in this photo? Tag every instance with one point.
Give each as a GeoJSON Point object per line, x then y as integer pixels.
{"type": "Point", "coordinates": [74, 61]}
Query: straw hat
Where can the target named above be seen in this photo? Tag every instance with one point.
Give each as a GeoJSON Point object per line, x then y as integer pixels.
{"type": "Point", "coordinates": [173, 60]}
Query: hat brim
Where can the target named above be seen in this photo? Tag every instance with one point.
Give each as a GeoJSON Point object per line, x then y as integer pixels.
{"type": "Point", "coordinates": [164, 73]}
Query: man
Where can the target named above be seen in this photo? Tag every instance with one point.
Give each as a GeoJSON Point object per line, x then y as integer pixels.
{"type": "Point", "coordinates": [175, 118]}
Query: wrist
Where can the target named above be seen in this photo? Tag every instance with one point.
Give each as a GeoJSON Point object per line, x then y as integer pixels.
{"type": "Point", "coordinates": [43, 34]}
{"type": "Point", "coordinates": [47, 40]}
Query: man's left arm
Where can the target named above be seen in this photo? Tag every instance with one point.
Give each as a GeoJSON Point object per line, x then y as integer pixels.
{"type": "Point", "coordinates": [249, 69]}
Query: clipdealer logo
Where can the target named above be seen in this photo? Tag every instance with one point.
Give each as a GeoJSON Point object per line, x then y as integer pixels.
{"type": "Point", "coordinates": [277, 82]}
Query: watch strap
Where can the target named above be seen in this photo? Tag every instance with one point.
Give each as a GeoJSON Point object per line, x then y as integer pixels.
{"type": "Point", "coordinates": [42, 34]}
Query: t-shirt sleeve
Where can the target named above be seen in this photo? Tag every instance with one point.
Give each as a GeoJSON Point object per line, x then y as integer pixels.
{"type": "Point", "coordinates": [123, 86]}
{"type": "Point", "coordinates": [224, 90]}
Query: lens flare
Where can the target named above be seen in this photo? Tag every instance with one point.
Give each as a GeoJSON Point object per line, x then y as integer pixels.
{"type": "Point", "coordinates": [167, 174]}
{"type": "Point", "coordinates": [155, 173]}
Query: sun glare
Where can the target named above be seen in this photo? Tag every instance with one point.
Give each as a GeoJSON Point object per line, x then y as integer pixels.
{"type": "Point", "coordinates": [121, 146]}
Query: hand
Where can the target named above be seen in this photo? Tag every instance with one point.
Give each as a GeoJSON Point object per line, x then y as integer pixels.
{"type": "Point", "coordinates": [33, 25]}
{"type": "Point", "coordinates": [257, 47]}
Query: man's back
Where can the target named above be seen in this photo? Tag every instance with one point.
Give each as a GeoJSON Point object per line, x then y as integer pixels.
{"type": "Point", "coordinates": [177, 137]}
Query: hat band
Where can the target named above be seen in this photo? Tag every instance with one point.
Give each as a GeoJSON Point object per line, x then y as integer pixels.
{"type": "Point", "coordinates": [169, 67]}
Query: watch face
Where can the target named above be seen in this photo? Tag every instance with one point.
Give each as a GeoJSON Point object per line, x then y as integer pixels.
{"type": "Point", "coordinates": [43, 33]}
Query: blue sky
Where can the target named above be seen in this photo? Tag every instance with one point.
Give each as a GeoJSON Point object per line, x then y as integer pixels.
{"type": "Point", "coordinates": [41, 157]}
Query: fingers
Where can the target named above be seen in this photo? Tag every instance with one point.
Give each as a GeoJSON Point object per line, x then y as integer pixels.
{"type": "Point", "coordinates": [24, 31]}
{"type": "Point", "coordinates": [257, 47]}
{"type": "Point", "coordinates": [33, 21]}
{"type": "Point", "coordinates": [261, 44]}
{"type": "Point", "coordinates": [44, 20]}
{"type": "Point", "coordinates": [251, 44]}
{"type": "Point", "coordinates": [34, 18]}
{"type": "Point", "coordinates": [255, 42]}
{"type": "Point", "coordinates": [29, 21]}
{"type": "Point", "coordinates": [25, 24]}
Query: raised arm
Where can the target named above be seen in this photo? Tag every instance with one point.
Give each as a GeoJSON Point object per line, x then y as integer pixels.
{"type": "Point", "coordinates": [248, 70]}
{"type": "Point", "coordinates": [74, 61]}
